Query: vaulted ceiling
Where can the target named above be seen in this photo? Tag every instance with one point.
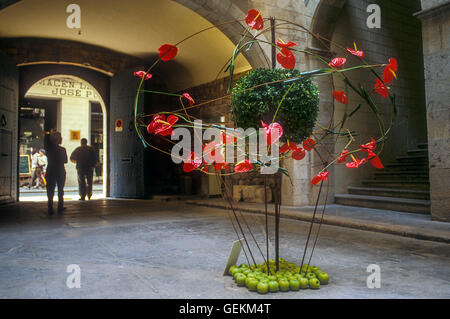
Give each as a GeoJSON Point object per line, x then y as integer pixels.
{"type": "Point", "coordinates": [135, 27]}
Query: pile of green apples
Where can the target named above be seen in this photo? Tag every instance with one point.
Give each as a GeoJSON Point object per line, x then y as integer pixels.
{"type": "Point", "coordinates": [265, 279]}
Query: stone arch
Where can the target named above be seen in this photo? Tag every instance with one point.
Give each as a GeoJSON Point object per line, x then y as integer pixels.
{"type": "Point", "coordinates": [219, 11]}
{"type": "Point", "coordinates": [34, 51]}
{"type": "Point", "coordinates": [324, 14]}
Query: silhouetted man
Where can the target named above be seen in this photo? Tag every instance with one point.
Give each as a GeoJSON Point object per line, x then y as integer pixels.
{"type": "Point", "coordinates": [85, 158]}
{"type": "Point", "coordinates": [56, 173]}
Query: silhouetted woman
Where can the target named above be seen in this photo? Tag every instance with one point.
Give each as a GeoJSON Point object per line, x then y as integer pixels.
{"type": "Point", "coordinates": [56, 173]}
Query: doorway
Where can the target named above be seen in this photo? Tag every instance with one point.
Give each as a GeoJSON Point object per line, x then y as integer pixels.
{"type": "Point", "coordinates": [73, 107]}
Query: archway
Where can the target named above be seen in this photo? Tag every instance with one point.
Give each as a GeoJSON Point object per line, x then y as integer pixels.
{"type": "Point", "coordinates": [74, 107]}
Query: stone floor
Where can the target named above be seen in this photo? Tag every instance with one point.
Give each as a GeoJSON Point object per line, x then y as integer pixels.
{"type": "Point", "coordinates": [155, 249]}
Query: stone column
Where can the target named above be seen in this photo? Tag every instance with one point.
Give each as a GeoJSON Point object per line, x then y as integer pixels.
{"type": "Point", "coordinates": [435, 18]}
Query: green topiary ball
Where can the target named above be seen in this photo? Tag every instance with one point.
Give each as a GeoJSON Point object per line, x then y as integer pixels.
{"type": "Point", "coordinates": [297, 113]}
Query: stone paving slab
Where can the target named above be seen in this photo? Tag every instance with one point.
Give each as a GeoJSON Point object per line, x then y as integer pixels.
{"type": "Point", "coordinates": [419, 226]}
{"type": "Point", "coordinates": [155, 249]}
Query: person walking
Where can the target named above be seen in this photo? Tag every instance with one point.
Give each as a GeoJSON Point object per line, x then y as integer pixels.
{"type": "Point", "coordinates": [56, 173]}
{"type": "Point", "coordinates": [41, 167]}
{"type": "Point", "coordinates": [34, 165]}
{"type": "Point", "coordinates": [85, 158]}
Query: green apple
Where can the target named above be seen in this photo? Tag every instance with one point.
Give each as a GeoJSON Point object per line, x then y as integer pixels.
{"type": "Point", "coordinates": [314, 268]}
{"type": "Point", "coordinates": [251, 284]}
{"type": "Point", "coordinates": [240, 280]}
{"type": "Point", "coordinates": [294, 284]}
{"type": "Point", "coordinates": [310, 275]}
{"type": "Point", "coordinates": [231, 270]}
{"type": "Point", "coordinates": [273, 286]}
{"type": "Point", "coordinates": [284, 285]}
{"type": "Point", "coordinates": [304, 283]}
{"type": "Point", "coordinates": [237, 273]}
{"type": "Point", "coordinates": [243, 266]}
{"type": "Point", "coordinates": [297, 276]}
{"type": "Point", "coordinates": [314, 283]}
{"type": "Point", "coordinates": [251, 275]}
{"type": "Point", "coordinates": [306, 268]}
{"type": "Point", "coordinates": [272, 278]}
{"type": "Point", "coordinates": [262, 287]}
{"type": "Point", "coordinates": [323, 278]}
{"type": "Point", "coordinates": [246, 271]}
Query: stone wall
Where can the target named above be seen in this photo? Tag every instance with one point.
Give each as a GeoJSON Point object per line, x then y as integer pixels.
{"type": "Point", "coordinates": [436, 49]}
{"type": "Point", "coordinates": [398, 37]}
{"type": "Point", "coordinates": [32, 50]}
{"type": "Point", "coordinates": [9, 96]}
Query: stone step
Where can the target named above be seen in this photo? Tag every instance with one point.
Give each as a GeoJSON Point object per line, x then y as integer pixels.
{"type": "Point", "coordinates": [404, 184]}
{"type": "Point", "coordinates": [403, 175]}
{"type": "Point", "coordinates": [390, 192]}
{"type": "Point", "coordinates": [422, 145]}
{"type": "Point", "coordinates": [381, 202]}
{"type": "Point", "coordinates": [418, 152]}
{"type": "Point", "coordinates": [407, 166]}
{"type": "Point", "coordinates": [413, 159]}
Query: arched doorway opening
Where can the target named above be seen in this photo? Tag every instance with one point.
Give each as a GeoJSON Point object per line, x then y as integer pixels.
{"type": "Point", "coordinates": [74, 107]}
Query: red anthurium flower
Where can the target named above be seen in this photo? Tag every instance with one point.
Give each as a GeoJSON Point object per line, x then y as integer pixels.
{"type": "Point", "coordinates": [286, 58]}
{"type": "Point", "coordinates": [254, 19]}
{"type": "Point", "coordinates": [226, 139]}
{"type": "Point", "coordinates": [337, 63]}
{"type": "Point", "coordinates": [243, 167]}
{"type": "Point", "coordinates": [309, 144]}
{"type": "Point", "coordinates": [368, 146]}
{"type": "Point", "coordinates": [205, 166]}
{"type": "Point", "coordinates": [192, 162]}
{"type": "Point", "coordinates": [374, 159]}
{"type": "Point", "coordinates": [159, 125]}
{"type": "Point", "coordinates": [220, 166]}
{"type": "Point", "coordinates": [141, 74]}
{"type": "Point", "coordinates": [389, 71]}
{"type": "Point", "coordinates": [288, 45]}
{"type": "Point", "coordinates": [212, 152]}
{"type": "Point", "coordinates": [343, 157]}
{"type": "Point", "coordinates": [272, 133]}
{"type": "Point", "coordinates": [298, 154]}
{"type": "Point", "coordinates": [167, 52]}
{"type": "Point", "coordinates": [320, 177]}
{"type": "Point", "coordinates": [340, 97]}
{"type": "Point", "coordinates": [381, 89]}
{"type": "Point", "coordinates": [289, 146]}
{"type": "Point", "coordinates": [356, 52]}
{"type": "Point", "coordinates": [356, 162]}
{"type": "Point", "coordinates": [189, 98]}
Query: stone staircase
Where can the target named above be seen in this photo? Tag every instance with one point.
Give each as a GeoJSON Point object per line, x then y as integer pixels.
{"type": "Point", "coordinates": [401, 186]}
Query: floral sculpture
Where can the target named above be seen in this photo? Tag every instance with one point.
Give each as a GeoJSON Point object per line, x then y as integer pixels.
{"type": "Point", "coordinates": [277, 128]}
